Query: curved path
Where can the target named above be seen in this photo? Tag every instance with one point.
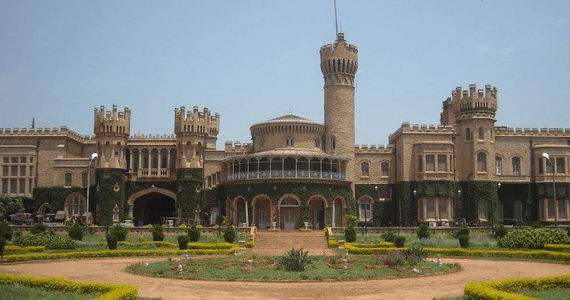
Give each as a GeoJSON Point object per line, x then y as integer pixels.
{"type": "Point", "coordinates": [429, 287]}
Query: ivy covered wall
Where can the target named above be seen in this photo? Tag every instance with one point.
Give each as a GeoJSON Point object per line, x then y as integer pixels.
{"type": "Point", "coordinates": [55, 196]}
{"type": "Point", "coordinates": [384, 213]}
{"type": "Point", "coordinates": [510, 193]}
{"type": "Point", "coordinates": [471, 193]}
{"type": "Point", "coordinates": [111, 191]}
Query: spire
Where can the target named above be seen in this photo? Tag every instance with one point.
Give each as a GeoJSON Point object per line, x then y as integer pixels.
{"type": "Point", "coordinates": [335, 19]}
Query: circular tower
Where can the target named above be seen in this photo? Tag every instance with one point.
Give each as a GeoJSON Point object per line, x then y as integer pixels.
{"type": "Point", "coordinates": [339, 63]}
{"type": "Point", "coordinates": [112, 129]}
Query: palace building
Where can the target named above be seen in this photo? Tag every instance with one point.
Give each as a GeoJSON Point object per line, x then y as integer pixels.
{"type": "Point", "coordinates": [298, 171]}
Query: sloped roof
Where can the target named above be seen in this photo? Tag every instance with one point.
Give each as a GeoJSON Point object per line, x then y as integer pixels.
{"type": "Point", "coordinates": [288, 118]}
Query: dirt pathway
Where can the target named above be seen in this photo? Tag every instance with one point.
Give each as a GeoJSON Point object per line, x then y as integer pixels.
{"type": "Point", "coordinates": [112, 270]}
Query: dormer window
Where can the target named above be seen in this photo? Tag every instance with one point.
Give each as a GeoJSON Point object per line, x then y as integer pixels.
{"type": "Point", "coordinates": [289, 142]}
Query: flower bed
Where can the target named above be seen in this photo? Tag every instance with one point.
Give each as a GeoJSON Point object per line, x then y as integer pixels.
{"type": "Point", "coordinates": [508, 288]}
{"type": "Point", "coordinates": [107, 291]}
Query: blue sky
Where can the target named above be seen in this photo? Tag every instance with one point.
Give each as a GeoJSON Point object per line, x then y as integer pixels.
{"type": "Point", "coordinates": [254, 60]}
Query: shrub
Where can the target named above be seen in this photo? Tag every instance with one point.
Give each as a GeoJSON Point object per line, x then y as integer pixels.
{"type": "Point", "coordinates": [38, 228]}
{"type": "Point", "coordinates": [399, 241]}
{"type": "Point", "coordinates": [350, 234]}
{"type": "Point", "coordinates": [157, 232]}
{"type": "Point", "coordinates": [568, 229]}
{"type": "Point", "coordinates": [423, 231]}
{"type": "Point", "coordinates": [194, 233]}
{"type": "Point", "coordinates": [332, 243]}
{"type": "Point", "coordinates": [536, 224]}
{"type": "Point", "coordinates": [119, 231]}
{"type": "Point", "coordinates": [463, 230]}
{"type": "Point", "coordinates": [294, 260]}
{"type": "Point", "coordinates": [2, 244]}
{"type": "Point", "coordinates": [6, 230]}
{"type": "Point", "coordinates": [249, 244]}
{"type": "Point", "coordinates": [463, 240]}
{"type": "Point", "coordinates": [500, 231]}
{"type": "Point", "coordinates": [75, 232]}
{"type": "Point", "coordinates": [533, 238]}
{"type": "Point", "coordinates": [50, 240]}
{"type": "Point", "coordinates": [393, 258]}
{"type": "Point", "coordinates": [112, 241]}
{"type": "Point", "coordinates": [389, 236]}
{"type": "Point", "coordinates": [183, 241]}
{"type": "Point", "coordinates": [557, 247]}
{"type": "Point", "coordinates": [229, 234]}
{"type": "Point", "coordinates": [512, 288]}
{"type": "Point", "coordinates": [182, 226]}
{"type": "Point", "coordinates": [414, 255]}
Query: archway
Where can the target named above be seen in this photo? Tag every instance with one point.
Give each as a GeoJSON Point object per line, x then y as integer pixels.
{"type": "Point", "coordinates": [239, 211]}
{"type": "Point", "coordinates": [289, 212]}
{"type": "Point", "coordinates": [262, 211]}
{"type": "Point", "coordinates": [150, 205]}
{"type": "Point", "coordinates": [339, 211]}
{"type": "Point", "coordinates": [317, 209]}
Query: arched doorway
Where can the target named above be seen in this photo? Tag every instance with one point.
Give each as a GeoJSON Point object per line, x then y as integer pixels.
{"type": "Point", "coordinates": [317, 208]}
{"type": "Point", "coordinates": [262, 211]}
{"type": "Point", "coordinates": [239, 209]}
{"type": "Point", "coordinates": [289, 212]}
{"type": "Point", "coordinates": [149, 206]}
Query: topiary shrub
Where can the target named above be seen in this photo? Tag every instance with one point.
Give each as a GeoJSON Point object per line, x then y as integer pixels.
{"type": "Point", "coordinates": [194, 233]}
{"type": "Point", "coordinates": [157, 232]}
{"type": "Point", "coordinates": [112, 241]}
{"type": "Point", "coordinates": [533, 238]}
{"type": "Point", "coordinates": [119, 231]}
{"type": "Point", "coordinates": [6, 230]}
{"type": "Point", "coordinates": [294, 260]}
{"type": "Point", "coordinates": [229, 234]}
{"type": "Point", "coordinates": [501, 231]}
{"type": "Point", "coordinates": [38, 228]}
{"type": "Point", "coordinates": [399, 241]}
{"type": "Point", "coordinates": [75, 232]}
{"type": "Point", "coordinates": [350, 234]}
{"type": "Point", "coordinates": [183, 241]}
{"type": "Point", "coordinates": [463, 240]}
{"type": "Point", "coordinates": [463, 230]}
{"type": "Point", "coordinates": [389, 236]}
{"type": "Point", "coordinates": [423, 231]}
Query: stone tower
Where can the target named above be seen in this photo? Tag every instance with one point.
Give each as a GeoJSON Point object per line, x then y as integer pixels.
{"type": "Point", "coordinates": [339, 63]}
{"type": "Point", "coordinates": [472, 112]}
{"type": "Point", "coordinates": [112, 129]}
{"type": "Point", "coordinates": [195, 132]}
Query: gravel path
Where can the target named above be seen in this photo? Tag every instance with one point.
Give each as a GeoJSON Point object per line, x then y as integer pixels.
{"type": "Point", "coordinates": [429, 287]}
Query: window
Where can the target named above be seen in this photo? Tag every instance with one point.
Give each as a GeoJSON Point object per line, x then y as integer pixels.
{"type": "Point", "coordinates": [385, 168]}
{"type": "Point", "coordinates": [560, 165]}
{"type": "Point", "coordinates": [430, 163]}
{"type": "Point", "coordinates": [154, 159]}
{"type": "Point", "coordinates": [22, 186]}
{"type": "Point", "coordinates": [5, 171]}
{"type": "Point", "coordinates": [548, 166]}
{"type": "Point", "coordinates": [333, 143]}
{"type": "Point", "coordinates": [365, 210]}
{"type": "Point", "coordinates": [482, 210]}
{"type": "Point", "coordinates": [430, 203]}
{"type": "Point", "coordinates": [500, 210]}
{"type": "Point", "coordinates": [13, 186]}
{"type": "Point", "coordinates": [562, 209]}
{"type": "Point", "coordinates": [517, 210]}
{"type": "Point", "coordinates": [482, 162]}
{"type": "Point", "coordinates": [443, 209]}
{"type": "Point", "coordinates": [442, 162]}
{"type": "Point", "coordinates": [551, 209]}
{"type": "Point", "coordinates": [6, 159]}
{"type": "Point", "coordinates": [23, 159]}
{"type": "Point", "coordinates": [468, 134]}
{"type": "Point", "coordinates": [4, 186]}
{"type": "Point", "coordinates": [498, 165]}
{"type": "Point", "coordinates": [67, 179]}
{"type": "Point", "coordinates": [364, 169]}
{"type": "Point", "coordinates": [22, 170]}
{"type": "Point", "coordinates": [481, 134]}
{"type": "Point", "coordinates": [84, 180]}
{"type": "Point", "coordinates": [75, 205]}
{"type": "Point", "coordinates": [30, 186]}
{"type": "Point", "coordinates": [14, 160]}
{"type": "Point", "coordinates": [540, 166]}
{"type": "Point", "coordinates": [289, 141]}
{"type": "Point", "coordinates": [14, 171]}
{"type": "Point", "coordinates": [420, 164]}
{"type": "Point", "coordinates": [516, 161]}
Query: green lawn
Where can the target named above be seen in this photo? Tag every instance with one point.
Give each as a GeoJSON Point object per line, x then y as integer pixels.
{"type": "Point", "coordinates": [554, 294]}
{"type": "Point", "coordinates": [21, 292]}
{"type": "Point", "coordinates": [477, 240]}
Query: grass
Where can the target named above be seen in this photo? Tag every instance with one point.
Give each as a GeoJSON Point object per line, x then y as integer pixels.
{"type": "Point", "coordinates": [477, 240]}
{"type": "Point", "coordinates": [553, 294]}
{"type": "Point", "coordinates": [265, 269]}
{"type": "Point", "coordinates": [22, 292]}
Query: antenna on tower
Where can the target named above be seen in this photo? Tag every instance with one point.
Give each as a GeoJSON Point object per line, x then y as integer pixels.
{"type": "Point", "coordinates": [335, 19]}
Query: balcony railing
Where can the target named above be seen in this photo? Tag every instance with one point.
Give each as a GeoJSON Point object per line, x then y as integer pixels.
{"type": "Point", "coordinates": [286, 174]}
{"type": "Point", "coordinates": [154, 173]}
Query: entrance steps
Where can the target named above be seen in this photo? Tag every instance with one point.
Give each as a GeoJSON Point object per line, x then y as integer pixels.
{"type": "Point", "coordinates": [270, 242]}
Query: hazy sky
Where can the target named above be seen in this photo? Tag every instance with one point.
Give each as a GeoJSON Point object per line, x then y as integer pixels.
{"type": "Point", "coordinates": [254, 60]}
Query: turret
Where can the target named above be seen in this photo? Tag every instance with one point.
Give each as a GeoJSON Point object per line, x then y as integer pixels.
{"type": "Point", "coordinates": [195, 132]}
{"type": "Point", "coordinates": [111, 130]}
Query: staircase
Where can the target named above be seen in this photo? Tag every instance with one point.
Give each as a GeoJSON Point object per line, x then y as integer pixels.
{"type": "Point", "coordinates": [270, 242]}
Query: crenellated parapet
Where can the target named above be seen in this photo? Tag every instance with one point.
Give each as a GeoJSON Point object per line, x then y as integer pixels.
{"type": "Point", "coordinates": [535, 132]}
{"type": "Point", "coordinates": [479, 103]}
{"type": "Point", "coordinates": [112, 122]}
{"type": "Point", "coordinates": [47, 131]}
{"type": "Point", "coordinates": [373, 149]}
{"type": "Point", "coordinates": [196, 122]}
{"type": "Point", "coordinates": [339, 62]}
{"type": "Point", "coordinates": [420, 129]}
{"type": "Point", "coordinates": [238, 147]}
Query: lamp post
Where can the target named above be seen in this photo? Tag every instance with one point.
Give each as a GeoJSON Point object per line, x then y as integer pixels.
{"type": "Point", "coordinates": [415, 192]}
{"type": "Point", "coordinates": [547, 156]}
{"type": "Point", "coordinates": [93, 158]}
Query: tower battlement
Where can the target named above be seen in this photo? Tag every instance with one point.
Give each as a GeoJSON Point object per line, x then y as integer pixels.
{"type": "Point", "coordinates": [473, 102]}
{"type": "Point", "coordinates": [339, 62]}
{"type": "Point", "coordinates": [112, 122]}
{"type": "Point", "coordinates": [196, 122]}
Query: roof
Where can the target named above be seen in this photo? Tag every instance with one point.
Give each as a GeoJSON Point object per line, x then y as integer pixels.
{"type": "Point", "coordinates": [288, 118]}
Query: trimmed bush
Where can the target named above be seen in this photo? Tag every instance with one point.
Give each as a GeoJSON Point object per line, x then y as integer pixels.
{"type": "Point", "coordinates": [463, 230]}
{"type": "Point", "coordinates": [389, 236]}
{"type": "Point", "coordinates": [373, 245]}
{"type": "Point", "coordinates": [423, 231]}
{"type": "Point", "coordinates": [533, 238]}
{"type": "Point", "coordinates": [183, 241]}
{"type": "Point", "coordinates": [508, 288]}
{"type": "Point", "coordinates": [47, 239]}
{"type": "Point", "coordinates": [536, 224]}
{"type": "Point", "coordinates": [500, 231]}
{"type": "Point", "coordinates": [157, 232]}
{"type": "Point", "coordinates": [2, 244]}
{"type": "Point", "coordinates": [463, 240]}
{"type": "Point", "coordinates": [294, 260]}
{"type": "Point", "coordinates": [10, 249]}
{"type": "Point", "coordinates": [229, 234]}
{"type": "Point", "coordinates": [6, 230]}
{"type": "Point", "coordinates": [112, 241]}
{"type": "Point", "coordinates": [350, 234]}
{"type": "Point", "coordinates": [399, 241]}
{"type": "Point", "coordinates": [332, 243]}
{"type": "Point", "coordinates": [159, 244]}
{"type": "Point", "coordinates": [194, 233]}
{"type": "Point", "coordinates": [38, 228]}
{"type": "Point", "coordinates": [557, 247]}
{"type": "Point", "coordinates": [211, 245]}
{"type": "Point", "coordinates": [75, 232]}
{"type": "Point", "coordinates": [119, 231]}
{"type": "Point", "coordinates": [249, 244]}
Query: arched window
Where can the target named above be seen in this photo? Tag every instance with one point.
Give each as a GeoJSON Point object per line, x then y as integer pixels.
{"type": "Point", "coordinates": [385, 168]}
{"type": "Point", "coordinates": [482, 162]}
{"type": "Point", "coordinates": [482, 210]}
{"type": "Point", "coordinates": [364, 169]}
{"type": "Point", "coordinates": [468, 134]}
{"type": "Point", "coordinates": [481, 134]}
{"type": "Point", "coordinates": [68, 180]}
{"type": "Point", "coordinates": [333, 143]}
{"type": "Point", "coordinates": [498, 165]}
{"type": "Point", "coordinates": [365, 209]}
{"type": "Point", "coordinates": [154, 158]}
{"type": "Point", "coordinates": [74, 205]}
{"type": "Point", "coordinates": [289, 142]}
{"type": "Point", "coordinates": [516, 161]}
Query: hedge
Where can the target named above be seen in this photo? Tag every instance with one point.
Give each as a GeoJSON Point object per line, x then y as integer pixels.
{"type": "Point", "coordinates": [108, 291]}
{"type": "Point", "coordinates": [557, 247]}
{"type": "Point", "coordinates": [114, 253]}
{"type": "Point", "coordinates": [373, 245]}
{"type": "Point", "coordinates": [249, 244]}
{"type": "Point", "coordinates": [507, 288]}
{"type": "Point", "coordinates": [357, 250]}
{"type": "Point", "coordinates": [17, 249]}
{"type": "Point", "coordinates": [198, 245]}
{"type": "Point", "coordinates": [332, 243]}
{"type": "Point", "coordinates": [161, 244]}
